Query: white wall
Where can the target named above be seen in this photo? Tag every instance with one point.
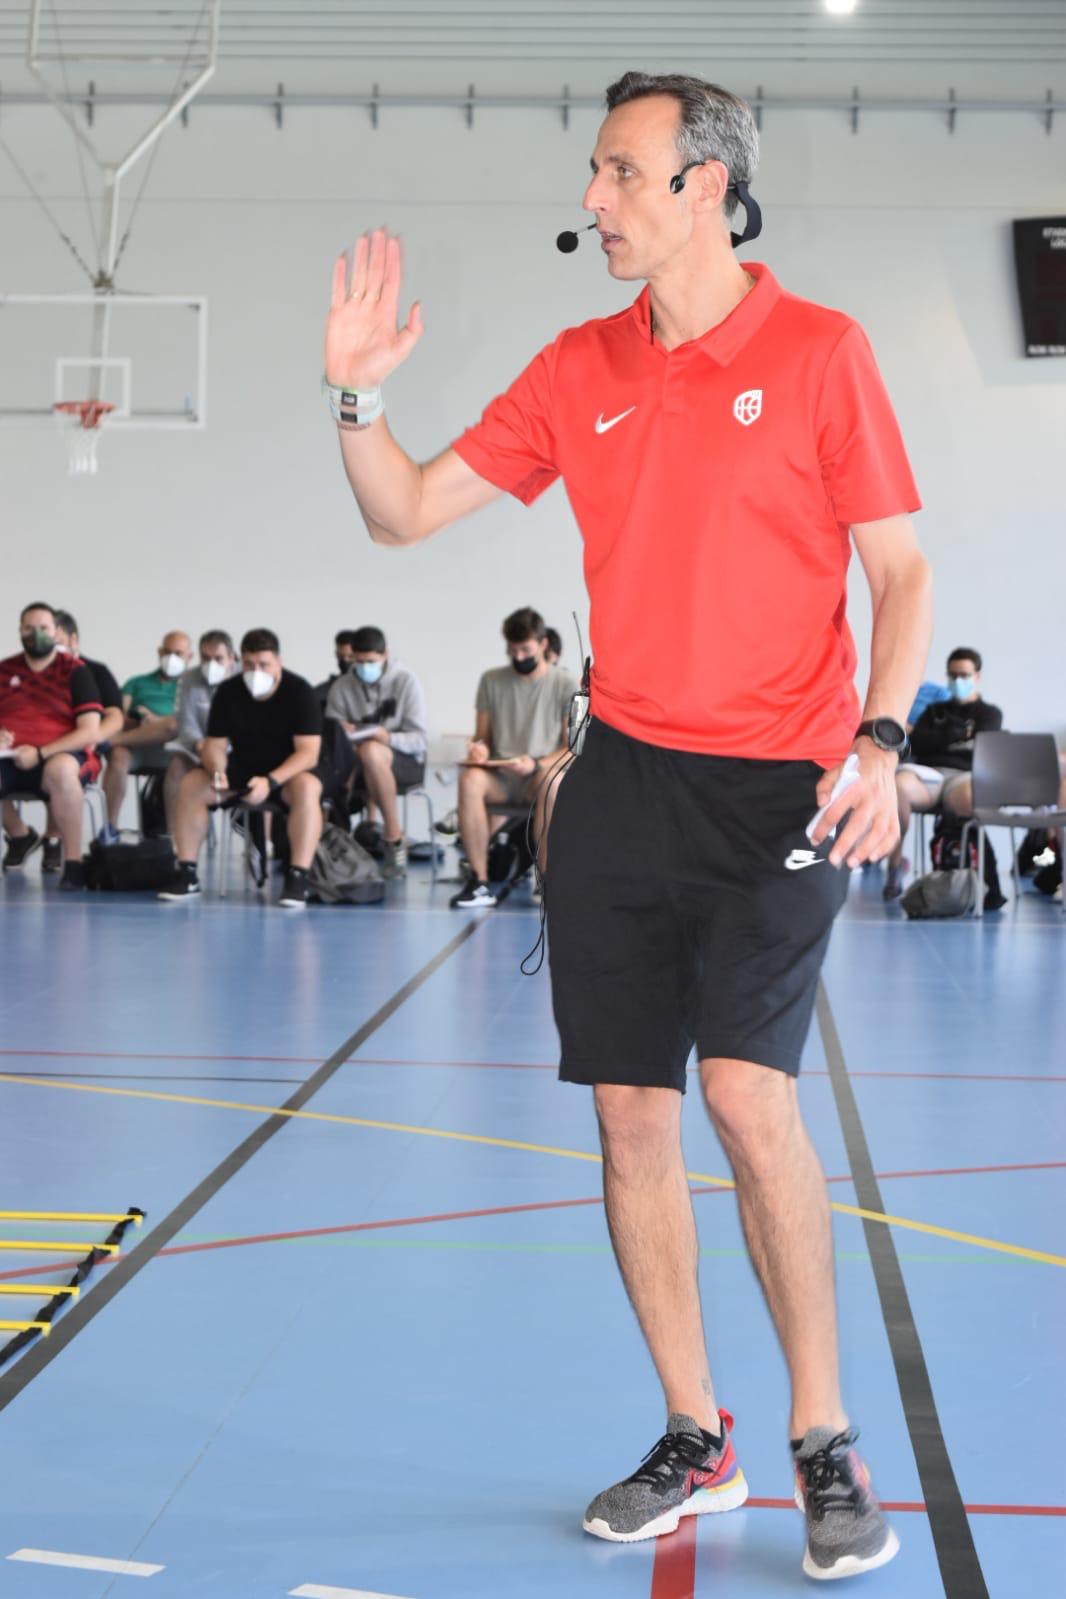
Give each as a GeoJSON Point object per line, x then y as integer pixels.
{"type": "Point", "coordinates": [250, 522]}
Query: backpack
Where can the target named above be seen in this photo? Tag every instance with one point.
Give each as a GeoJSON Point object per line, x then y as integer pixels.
{"type": "Point", "coordinates": [945, 851]}
{"type": "Point", "coordinates": [941, 894]}
{"type": "Point", "coordinates": [342, 873]}
{"type": "Point", "coordinates": [141, 866]}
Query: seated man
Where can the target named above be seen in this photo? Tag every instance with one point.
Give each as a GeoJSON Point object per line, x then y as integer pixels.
{"type": "Point", "coordinates": [935, 775]}
{"type": "Point", "coordinates": [519, 738]}
{"type": "Point", "coordinates": [344, 655]}
{"type": "Point", "coordinates": [264, 740]}
{"type": "Point", "coordinates": [22, 839]}
{"type": "Point", "coordinates": [148, 700]}
{"type": "Point", "coordinates": [49, 722]}
{"type": "Point", "coordinates": [554, 651]}
{"type": "Point", "coordinates": [382, 709]}
{"type": "Point", "coordinates": [196, 690]}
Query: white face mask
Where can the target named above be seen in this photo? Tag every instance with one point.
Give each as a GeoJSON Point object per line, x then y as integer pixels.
{"type": "Point", "coordinates": [171, 665]}
{"type": "Point", "coordinates": [258, 683]}
{"type": "Point", "coordinates": [214, 672]}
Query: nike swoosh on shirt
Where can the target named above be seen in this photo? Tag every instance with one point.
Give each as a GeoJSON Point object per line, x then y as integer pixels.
{"type": "Point", "coordinates": [602, 426]}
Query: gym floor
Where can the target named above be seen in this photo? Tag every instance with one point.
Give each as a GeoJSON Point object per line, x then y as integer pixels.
{"type": "Point", "coordinates": [376, 1344]}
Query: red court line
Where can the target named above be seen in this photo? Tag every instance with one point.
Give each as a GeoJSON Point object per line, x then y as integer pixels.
{"type": "Point", "coordinates": [468, 1215]}
{"type": "Point", "coordinates": [480, 1065]}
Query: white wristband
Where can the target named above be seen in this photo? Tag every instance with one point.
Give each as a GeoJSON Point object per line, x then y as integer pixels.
{"type": "Point", "coordinates": [353, 408]}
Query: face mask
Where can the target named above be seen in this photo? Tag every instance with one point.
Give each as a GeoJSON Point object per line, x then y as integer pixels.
{"type": "Point", "coordinates": [527, 665]}
{"type": "Point", "coordinates": [962, 687]}
{"type": "Point", "coordinates": [171, 665]}
{"type": "Point", "coordinates": [342, 665]}
{"type": "Point", "coordinates": [214, 672]}
{"type": "Point", "coordinates": [258, 684]}
{"type": "Point", "coordinates": [37, 644]}
{"type": "Point", "coordinates": [369, 671]}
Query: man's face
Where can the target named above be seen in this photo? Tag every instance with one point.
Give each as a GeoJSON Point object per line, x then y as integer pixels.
{"type": "Point", "coordinates": [37, 631]}
{"type": "Point", "coordinates": [530, 649]}
{"type": "Point", "coordinates": [642, 226]}
{"type": "Point", "coordinates": [369, 665]}
{"type": "Point", "coordinates": [261, 661]}
{"type": "Point", "coordinates": [345, 656]}
{"type": "Point", "coordinates": [65, 640]}
{"type": "Point", "coordinates": [175, 653]}
{"type": "Point", "coordinates": [218, 653]}
{"type": "Point", "coordinates": [964, 680]}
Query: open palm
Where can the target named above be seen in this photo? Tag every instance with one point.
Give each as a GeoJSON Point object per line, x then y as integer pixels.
{"type": "Point", "coordinates": [363, 341]}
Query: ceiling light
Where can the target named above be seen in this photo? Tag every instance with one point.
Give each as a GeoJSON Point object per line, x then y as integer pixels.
{"type": "Point", "coordinates": [840, 8]}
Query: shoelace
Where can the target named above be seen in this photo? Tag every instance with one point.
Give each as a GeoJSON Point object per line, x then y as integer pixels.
{"type": "Point", "coordinates": [827, 1468]}
{"type": "Point", "coordinates": [662, 1459]}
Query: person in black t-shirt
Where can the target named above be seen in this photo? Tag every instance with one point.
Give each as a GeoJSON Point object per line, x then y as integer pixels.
{"type": "Point", "coordinates": [23, 839]}
{"type": "Point", "coordinates": [264, 743]}
{"type": "Point", "coordinates": [935, 775]}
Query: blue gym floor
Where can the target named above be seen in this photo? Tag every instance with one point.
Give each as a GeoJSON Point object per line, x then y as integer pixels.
{"type": "Point", "coordinates": [386, 1350]}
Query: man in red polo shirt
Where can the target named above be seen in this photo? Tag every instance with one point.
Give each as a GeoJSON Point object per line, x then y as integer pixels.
{"type": "Point", "coordinates": [722, 443]}
{"type": "Point", "coordinates": [49, 720]}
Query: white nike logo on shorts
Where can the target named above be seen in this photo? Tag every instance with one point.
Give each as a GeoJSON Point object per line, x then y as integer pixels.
{"type": "Point", "coordinates": [801, 858]}
{"type": "Point", "coordinates": [602, 426]}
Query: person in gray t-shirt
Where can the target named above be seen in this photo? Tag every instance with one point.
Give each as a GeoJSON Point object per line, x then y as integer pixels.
{"type": "Point", "coordinates": [522, 712]}
{"type": "Point", "coordinates": [383, 711]}
{"type": "Point", "coordinates": [196, 690]}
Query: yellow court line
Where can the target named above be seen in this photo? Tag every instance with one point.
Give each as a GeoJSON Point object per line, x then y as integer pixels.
{"type": "Point", "coordinates": [66, 1215]}
{"type": "Point", "coordinates": [26, 1326]}
{"type": "Point", "coordinates": [506, 1143]}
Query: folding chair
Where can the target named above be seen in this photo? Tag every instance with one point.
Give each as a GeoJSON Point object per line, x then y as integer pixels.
{"type": "Point", "coordinates": [1016, 782]}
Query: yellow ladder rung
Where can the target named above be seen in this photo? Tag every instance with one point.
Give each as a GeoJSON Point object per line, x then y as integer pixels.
{"type": "Point", "coordinates": [26, 1326]}
{"type": "Point", "coordinates": [66, 1215]}
{"type": "Point", "coordinates": [80, 1248]}
{"type": "Point", "coordinates": [42, 1290]}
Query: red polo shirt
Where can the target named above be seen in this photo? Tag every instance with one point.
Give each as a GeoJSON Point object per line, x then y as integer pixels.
{"type": "Point", "coordinates": [714, 486]}
{"type": "Point", "coordinates": [39, 707]}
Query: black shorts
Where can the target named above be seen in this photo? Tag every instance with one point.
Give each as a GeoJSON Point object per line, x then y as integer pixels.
{"type": "Point", "coordinates": [673, 918]}
{"type": "Point", "coordinates": [17, 783]}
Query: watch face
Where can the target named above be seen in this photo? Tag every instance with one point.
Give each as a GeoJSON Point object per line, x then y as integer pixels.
{"type": "Point", "coordinates": [888, 733]}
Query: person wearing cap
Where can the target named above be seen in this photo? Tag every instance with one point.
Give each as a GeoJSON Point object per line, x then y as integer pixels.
{"type": "Point", "coordinates": [724, 445]}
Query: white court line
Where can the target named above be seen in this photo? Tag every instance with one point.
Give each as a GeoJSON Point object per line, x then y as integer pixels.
{"type": "Point", "coordinates": [315, 1590]}
{"type": "Point", "coordinates": [119, 1568]}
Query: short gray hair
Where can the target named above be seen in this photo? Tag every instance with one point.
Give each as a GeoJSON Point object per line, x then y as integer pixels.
{"type": "Point", "coordinates": [713, 125]}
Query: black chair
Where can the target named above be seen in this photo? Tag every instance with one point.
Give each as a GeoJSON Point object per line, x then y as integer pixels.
{"type": "Point", "coordinates": [1016, 780]}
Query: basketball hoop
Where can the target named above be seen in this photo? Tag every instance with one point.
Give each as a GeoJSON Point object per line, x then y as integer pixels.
{"type": "Point", "coordinates": [82, 420]}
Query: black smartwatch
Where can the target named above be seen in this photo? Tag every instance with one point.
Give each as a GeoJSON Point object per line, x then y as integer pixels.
{"type": "Point", "coordinates": [273, 785]}
{"type": "Point", "coordinates": [888, 735]}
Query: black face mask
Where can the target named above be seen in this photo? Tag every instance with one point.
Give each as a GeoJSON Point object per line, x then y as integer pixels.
{"type": "Point", "coordinates": [37, 644]}
{"type": "Point", "coordinates": [342, 666]}
{"type": "Point", "coordinates": [527, 665]}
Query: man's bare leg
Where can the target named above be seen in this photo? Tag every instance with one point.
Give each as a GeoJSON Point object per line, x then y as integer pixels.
{"type": "Point", "coordinates": [477, 789]}
{"type": "Point", "coordinates": [784, 1209]}
{"type": "Point", "coordinates": [178, 768]}
{"type": "Point", "coordinates": [653, 1231]}
{"type": "Point", "coordinates": [196, 795]}
{"type": "Point", "coordinates": [115, 779]}
{"type": "Point", "coordinates": [376, 759]}
{"type": "Point", "coordinates": [61, 784]}
{"type": "Point", "coordinates": [303, 796]}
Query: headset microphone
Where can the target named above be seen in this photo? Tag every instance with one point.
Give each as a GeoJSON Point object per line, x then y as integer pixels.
{"type": "Point", "coordinates": [568, 242]}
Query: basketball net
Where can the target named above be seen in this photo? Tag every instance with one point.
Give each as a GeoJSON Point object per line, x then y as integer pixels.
{"type": "Point", "coordinates": [81, 421]}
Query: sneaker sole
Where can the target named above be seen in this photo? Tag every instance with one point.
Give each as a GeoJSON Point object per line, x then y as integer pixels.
{"type": "Point", "coordinates": [176, 899]}
{"type": "Point", "coordinates": [292, 904]}
{"type": "Point", "coordinates": [851, 1565]}
{"type": "Point", "coordinates": [704, 1502]}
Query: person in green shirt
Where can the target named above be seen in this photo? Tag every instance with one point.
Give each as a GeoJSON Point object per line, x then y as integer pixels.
{"type": "Point", "coordinates": [149, 701]}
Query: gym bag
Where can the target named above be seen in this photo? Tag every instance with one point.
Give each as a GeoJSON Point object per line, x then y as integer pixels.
{"type": "Point", "coordinates": [342, 873]}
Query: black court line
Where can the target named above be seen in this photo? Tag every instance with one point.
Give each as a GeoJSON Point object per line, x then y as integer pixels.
{"type": "Point", "coordinates": [78, 1316]}
{"type": "Point", "coordinates": [960, 1569]}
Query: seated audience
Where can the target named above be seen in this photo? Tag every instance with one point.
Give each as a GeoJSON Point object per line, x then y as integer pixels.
{"type": "Point", "coordinates": [49, 723]}
{"type": "Point", "coordinates": [24, 839]}
{"type": "Point", "coordinates": [554, 646]}
{"type": "Point", "coordinates": [381, 707]}
{"type": "Point", "coordinates": [520, 735]}
{"type": "Point", "coordinates": [935, 775]}
{"type": "Point", "coordinates": [148, 700]}
{"type": "Point", "coordinates": [263, 745]}
{"type": "Point", "coordinates": [196, 690]}
{"type": "Point", "coordinates": [343, 654]}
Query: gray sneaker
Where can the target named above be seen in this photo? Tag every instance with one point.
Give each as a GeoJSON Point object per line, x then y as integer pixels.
{"type": "Point", "coordinates": [846, 1531]}
{"type": "Point", "coordinates": [394, 860]}
{"type": "Point", "coordinates": [683, 1475]}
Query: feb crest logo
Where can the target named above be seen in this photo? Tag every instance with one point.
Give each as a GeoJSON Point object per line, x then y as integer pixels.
{"type": "Point", "coordinates": [747, 407]}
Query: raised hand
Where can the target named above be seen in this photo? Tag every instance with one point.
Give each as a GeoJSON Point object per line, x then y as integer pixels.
{"type": "Point", "coordinates": [363, 341]}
